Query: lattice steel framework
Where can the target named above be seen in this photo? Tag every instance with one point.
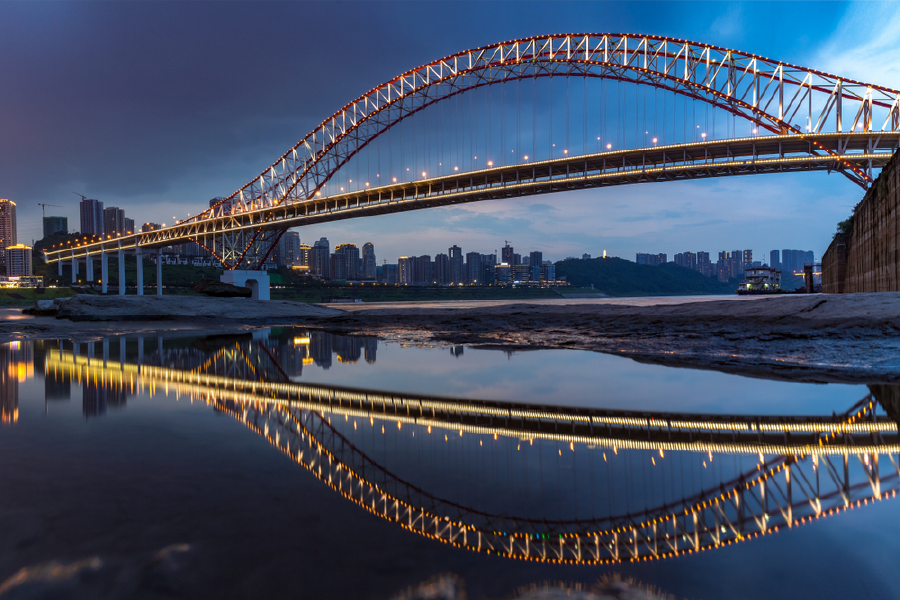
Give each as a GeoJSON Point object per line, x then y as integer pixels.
{"type": "Point", "coordinates": [854, 461]}
{"type": "Point", "coordinates": [771, 94]}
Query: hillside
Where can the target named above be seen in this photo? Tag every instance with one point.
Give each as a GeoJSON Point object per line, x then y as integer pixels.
{"type": "Point", "coordinates": [618, 277]}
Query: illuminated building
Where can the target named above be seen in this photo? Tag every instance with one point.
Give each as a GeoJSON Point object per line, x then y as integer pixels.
{"type": "Point", "coordinates": [18, 261]}
{"type": "Point", "coordinates": [319, 260]}
{"type": "Point", "coordinates": [287, 251]}
{"type": "Point", "coordinates": [653, 260]}
{"type": "Point", "coordinates": [7, 226]}
{"type": "Point", "coordinates": [91, 212]}
{"type": "Point", "coordinates": [148, 227]}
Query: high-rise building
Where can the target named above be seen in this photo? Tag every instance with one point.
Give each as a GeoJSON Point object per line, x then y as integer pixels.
{"type": "Point", "coordinates": [287, 251]}
{"type": "Point", "coordinates": [442, 269]}
{"type": "Point", "coordinates": [535, 261]}
{"type": "Point", "coordinates": [18, 261]}
{"type": "Point", "coordinates": [748, 260]}
{"type": "Point", "coordinates": [305, 255]}
{"type": "Point", "coordinates": [129, 225]}
{"type": "Point", "coordinates": [113, 221]}
{"type": "Point", "coordinates": [350, 261]}
{"type": "Point", "coordinates": [91, 212]}
{"type": "Point", "coordinates": [774, 259]}
{"type": "Point", "coordinates": [55, 225]}
{"type": "Point", "coordinates": [489, 261]}
{"type": "Point", "coordinates": [404, 270]}
{"type": "Point", "coordinates": [704, 265]}
{"type": "Point", "coordinates": [474, 268]}
{"type": "Point", "coordinates": [8, 235]}
{"type": "Point", "coordinates": [654, 260]}
{"type": "Point", "coordinates": [457, 266]}
{"type": "Point", "coordinates": [148, 227]}
{"type": "Point", "coordinates": [506, 254]}
{"type": "Point", "coordinates": [424, 272]}
{"type": "Point", "coordinates": [319, 259]}
{"type": "Point", "coordinates": [369, 261]}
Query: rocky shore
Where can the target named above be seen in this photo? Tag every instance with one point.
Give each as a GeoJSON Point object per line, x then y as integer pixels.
{"type": "Point", "coordinates": [817, 338]}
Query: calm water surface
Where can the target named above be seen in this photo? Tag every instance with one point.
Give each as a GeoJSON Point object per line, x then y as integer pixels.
{"type": "Point", "coordinates": [298, 464]}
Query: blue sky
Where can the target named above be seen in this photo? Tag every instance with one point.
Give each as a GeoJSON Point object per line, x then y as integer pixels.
{"type": "Point", "coordinates": [157, 107]}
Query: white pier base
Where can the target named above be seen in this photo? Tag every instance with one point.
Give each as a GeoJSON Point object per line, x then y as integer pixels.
{"type": "Point", "coordinates": [257, 281]}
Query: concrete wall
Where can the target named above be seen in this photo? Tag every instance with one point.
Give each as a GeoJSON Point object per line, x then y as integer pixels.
{"type": "Point", "coordinates": [868, 260]}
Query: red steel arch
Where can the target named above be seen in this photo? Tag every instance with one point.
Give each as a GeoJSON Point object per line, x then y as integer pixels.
{"type": "Point", "coordinates": [763, 91]}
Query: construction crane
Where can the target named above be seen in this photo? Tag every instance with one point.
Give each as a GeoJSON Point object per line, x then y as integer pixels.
{"type": "Point", "coordinates": [44, 208]}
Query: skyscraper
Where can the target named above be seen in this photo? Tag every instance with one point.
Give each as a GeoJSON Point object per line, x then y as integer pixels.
{"type": "Point", "coordinates": [319, 263]}
{"type": "Point", "coordinates": [369, 262]}
{"type": "Point", "coordinates": [129, 225]}
{"type": "Point", "coordinates": [7, 226]}
{"type": "Point", "coordinates": [350, 261]}
{"type": "Point", "coordinates": [535, 261]}
{"type": "Point", "coordinates": [474, 268]}
{"type": "Point", "coordinates": [287, 252]}
{"type": "Point", "coordinates": [457, 266]}
{"type": "Point", "coordinates": [506, 254]}
{"type": "Point", "coordinates": [113, 221]}
{"type": "Point", "coordinates": [774, 259]}
{"type": "Point", "coordinates": [91, 217]}
{"type": "Point", "coordinates": [55, 225]}
{"type": "Point", "coordinates": [442, 269]}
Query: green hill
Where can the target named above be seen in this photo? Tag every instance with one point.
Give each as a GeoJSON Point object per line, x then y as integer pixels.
{"type": "Point", "coordinates": [618, 277]}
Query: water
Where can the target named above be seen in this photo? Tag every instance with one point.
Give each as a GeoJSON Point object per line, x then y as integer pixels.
{"type": "Point", "coordinates": [295, 463]}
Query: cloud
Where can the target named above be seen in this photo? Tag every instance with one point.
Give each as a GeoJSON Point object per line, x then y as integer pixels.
{"type": "Point", "coordinates": [865, 44]}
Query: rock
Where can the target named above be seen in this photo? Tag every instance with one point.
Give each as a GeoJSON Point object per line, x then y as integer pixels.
{"type": "Point", "coordinates": [218, 289]}
{"type": "Point", "coordinates": [43, 308]}
{"type": "Point", "coordinates": [196, 309]}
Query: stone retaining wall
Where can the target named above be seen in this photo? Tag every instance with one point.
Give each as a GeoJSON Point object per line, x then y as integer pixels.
{"type": "Point", "coordinates": [868, 260]}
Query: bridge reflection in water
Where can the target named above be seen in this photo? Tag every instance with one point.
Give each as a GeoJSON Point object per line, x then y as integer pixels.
{"type": "Point", "coordinates": [541, 483]}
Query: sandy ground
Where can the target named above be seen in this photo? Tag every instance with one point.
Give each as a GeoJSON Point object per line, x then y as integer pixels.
{"type": "Point", "coordinates": [820, 338]}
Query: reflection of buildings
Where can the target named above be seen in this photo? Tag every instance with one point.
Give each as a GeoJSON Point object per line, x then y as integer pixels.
{"type": "Point", "coordinates": [16, 364]}
{"type": "Point", "coordinates": [318, 348]}
{"type": "Point", "coordinates": [97, 397]}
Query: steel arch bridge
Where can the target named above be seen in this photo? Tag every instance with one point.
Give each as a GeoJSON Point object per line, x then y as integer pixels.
{"type": "Point", "coordinates": [837, 464]}
{"type": "Point", "coordinates": [817, 121]}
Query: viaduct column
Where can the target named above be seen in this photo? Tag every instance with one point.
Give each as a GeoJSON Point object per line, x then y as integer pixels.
{"type": "Point", "coordinates": [138, 254]}
{"type": "Point", "coordinates": [88, 265]}
{"type": "Point", "coordinates": [159, 271]}
{"type": "Point", "coordinates": [121, 270]}
{"type": "Point", "coordinates": [74, 268]}
{"type": "Point", "coordinates": [104, 270]}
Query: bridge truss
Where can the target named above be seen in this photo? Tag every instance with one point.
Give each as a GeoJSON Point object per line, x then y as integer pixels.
{"type": "Point", "coordinates": [816, 467]}
{"type": "Point", "coordinates": [822, 116]}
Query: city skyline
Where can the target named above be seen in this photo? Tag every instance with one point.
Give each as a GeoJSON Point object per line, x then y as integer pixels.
{"type": "Point", "coordinates": [179, 180]}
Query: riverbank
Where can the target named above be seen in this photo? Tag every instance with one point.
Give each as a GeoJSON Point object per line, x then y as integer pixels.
{"type": "Point", "coordinates": [815, 338]}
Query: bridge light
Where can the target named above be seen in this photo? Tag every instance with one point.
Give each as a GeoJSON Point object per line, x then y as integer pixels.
{"type": "Point", "coordinates": [490, 164]}
{"type": "Point", "coordinates": [342, 189]}
{"type": "Point", "coordinates": [423, 174]}
{"type": "Point", "coordinates": [395, 180]}
{"type": "Point", "coordinates": [703, 135]}
{"type": "Point", "coordinates": [609, 146]}
{"type": "Point", "coordinates": [565, 151]}
{"type": "Point", "coordinates": [654, 140]}
{"type": "Point", "coordinates": [454, 168]}
{"type": "Point", "coordinates": [526, 157]}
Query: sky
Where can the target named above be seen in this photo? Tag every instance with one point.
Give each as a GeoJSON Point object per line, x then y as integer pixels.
{"type": "Point", "coordinates": [158, 107]}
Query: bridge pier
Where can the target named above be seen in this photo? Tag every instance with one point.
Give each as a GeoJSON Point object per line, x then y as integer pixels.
{"type": "Point", "coordinates": [121, 270]}
{"type": "Point", "coordinates": [159, 272]}
{"type": "Point", "coordinates": [104, 271]}
{"type": "Point", "coordinates": [89, 266]}
{"type": "Point", "coordinates": [257, 281]}
{"type": "Point", "coordinates": [138, 254]}
{"type": "Point", "coordinates": [74, 268]}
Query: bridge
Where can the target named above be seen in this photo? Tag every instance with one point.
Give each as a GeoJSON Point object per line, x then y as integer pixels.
{"type": "Point", "coordinates": [758, 474]}
{"type": "Point", "coordinates": [414, 142]}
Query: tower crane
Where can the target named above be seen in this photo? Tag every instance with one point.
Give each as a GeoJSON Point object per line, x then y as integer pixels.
{"type": "Point", "coordinates": [44, 208]}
